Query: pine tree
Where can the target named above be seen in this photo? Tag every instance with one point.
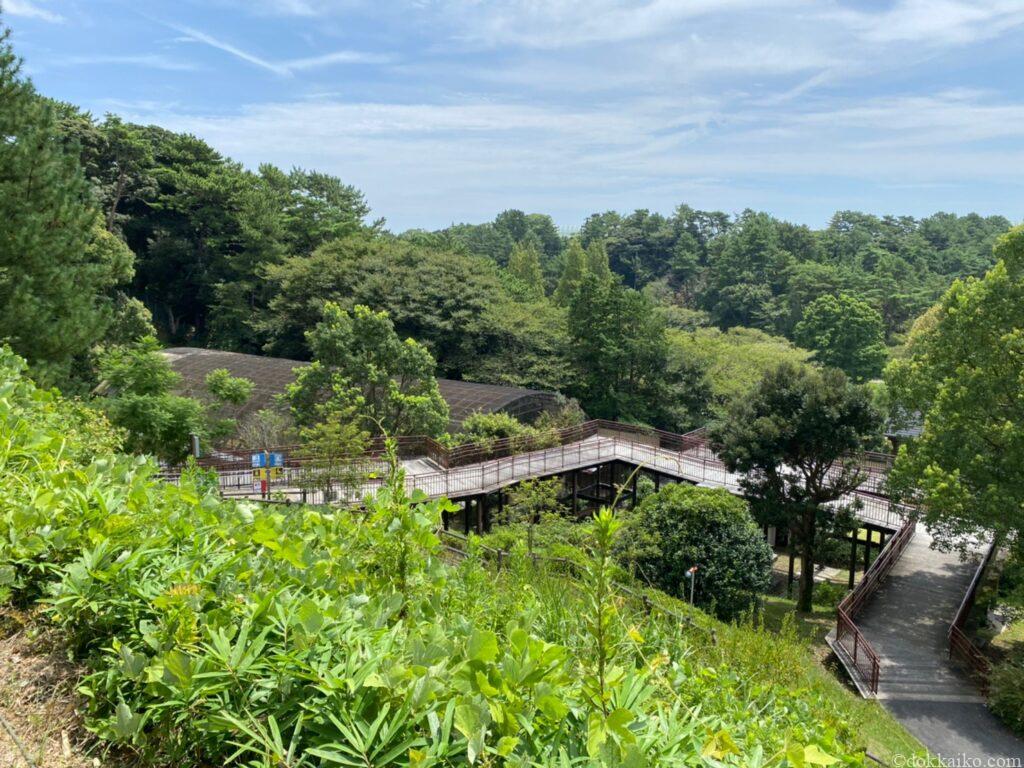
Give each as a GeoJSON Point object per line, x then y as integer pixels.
{"type": "Point", "coordinates": [524, 264]}
{"type": "Point", "coordinates": [597, 260]}
{"type": "Point", "coordinates": [574, 269]}
{"type": "Point", "coordinates": [54, 283]}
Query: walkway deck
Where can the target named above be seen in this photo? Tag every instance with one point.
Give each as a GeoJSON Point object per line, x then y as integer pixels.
{"type": "Point", "coordinates": [906, 623]}
{"type": "Point", "coordinates": [489, 476]}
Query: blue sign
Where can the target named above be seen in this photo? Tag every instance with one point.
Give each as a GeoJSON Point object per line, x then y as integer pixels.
{"type": "Point", "coordinates": [260, 460]}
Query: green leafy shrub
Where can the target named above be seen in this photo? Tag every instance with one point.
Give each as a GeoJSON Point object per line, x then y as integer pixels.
{"type": "Point", "coordinates": [1006, 693]}
{"type": "Point", "coordinates": [683, 526]}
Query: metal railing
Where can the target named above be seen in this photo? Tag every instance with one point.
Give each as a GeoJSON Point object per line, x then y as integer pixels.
{"type": "Point", "coordinates": [463, 471]}
{"type": "Point", "coordinates": [960, 644]}
{"type": "Point", "coordinates": [848, 635]}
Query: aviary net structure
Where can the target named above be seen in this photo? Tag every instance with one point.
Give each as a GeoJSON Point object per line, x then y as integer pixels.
{"type": "Point", "coordinates": [271, 375]}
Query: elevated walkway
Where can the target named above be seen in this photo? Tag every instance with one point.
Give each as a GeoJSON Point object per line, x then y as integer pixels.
{"type": "Point", "coordinates": [906, 622]}
{"type": "Point", "coordinates": [679, 457]}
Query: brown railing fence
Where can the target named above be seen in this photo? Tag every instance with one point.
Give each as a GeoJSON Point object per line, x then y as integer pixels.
{"type": "Point", "coordinates": [961, 646]}
{"type": "Point", "coordinates": [848, 635]}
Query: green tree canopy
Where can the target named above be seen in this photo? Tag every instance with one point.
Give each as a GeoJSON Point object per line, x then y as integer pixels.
{"type": "Point", "coordinates": [137, 395]}
{"type": "Point", "coordinates": [964, 373]}
{"type": "Point", "coordinates": [619, 352]}
{"type": "Point", "coordinates": [682, 526]}
{"type": "Point", "coordinates": [795, 439]}
{"type": "Point", "coordinates": [733, 361]}
{"type": "Point", "coordinates": [441, 298]}
{"type": "Point", "coordinates": [57, 271]}
{"type": "Point", "coordinates": [524, 265]}
{"type": "Point", "coordinates": [574, 270]}
{"type": "Point", "coordinates": [845, 333]}
{"type": "Point", "coordinates": [363, 367]}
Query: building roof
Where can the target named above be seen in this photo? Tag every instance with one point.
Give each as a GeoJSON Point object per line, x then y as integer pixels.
{"type": "Point", "coordinates": [271, 375]}
{"type": "Point", "coordinates": [905, 426]}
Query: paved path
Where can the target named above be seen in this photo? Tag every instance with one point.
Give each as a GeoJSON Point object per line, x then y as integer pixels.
{"type": "Point", "coordinates": [906, 622]}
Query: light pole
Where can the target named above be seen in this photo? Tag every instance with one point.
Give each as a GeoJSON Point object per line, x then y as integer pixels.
{"type": "Point", "coordinates": [692, 576]}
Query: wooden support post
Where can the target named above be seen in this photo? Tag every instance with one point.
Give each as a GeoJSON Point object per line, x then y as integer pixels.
{"type": "Point", "coordinates": [632, 492]}
{"type": "Point", "coordinates": [445, 520]}
{"type": "Point", "coordinates": [501, 504]}
{"type": "Point", "coordinates": [657, 481]}
{"type": "Point", "coordinates": [466, 506]}
{"type": "Point", "coordinates": [853, 556]}
{"type": "Point", "coordinates": [867, 548]}
{"type": "Point", "coordinates": [481, 513]}
{"type": "Point", "coordinates": [575, 492]}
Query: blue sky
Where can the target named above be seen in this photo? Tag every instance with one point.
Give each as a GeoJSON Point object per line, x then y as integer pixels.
{"type": "Point", "coordinates": [453, 110]}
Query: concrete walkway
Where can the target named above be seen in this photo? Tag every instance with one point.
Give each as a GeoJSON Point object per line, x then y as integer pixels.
{"type": "Point", "coordinates": [906, 622]}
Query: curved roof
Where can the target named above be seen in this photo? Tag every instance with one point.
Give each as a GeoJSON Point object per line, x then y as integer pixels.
{"type": "Point", "coordinates": [271, 375]}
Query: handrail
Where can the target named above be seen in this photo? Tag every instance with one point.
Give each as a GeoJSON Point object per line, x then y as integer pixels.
{"type": "Point", "coordinates": [863, 655]}
{"type": "Point", "coordinates": [694, 443]}
{"type": "Point", "coordinates": [960, 644]}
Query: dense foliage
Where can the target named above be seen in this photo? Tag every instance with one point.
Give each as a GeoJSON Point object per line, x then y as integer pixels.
{"type": "Point", "coordinates": [58, 266]}
{"type": "Point", "coordinates": [364, 371]}
{"type": "Point", "coordinates": [233, 634]}
{"type": "Point", "coordinates": [137, 395]}
{"type": "Point", "coordinates": [845, 333]}
{"type": "Point", "coordinates": [963, 373]}
{"type": "Point", "coordinates": [796, 440]}
{"type": "Point", "coordinates": [681, 527]}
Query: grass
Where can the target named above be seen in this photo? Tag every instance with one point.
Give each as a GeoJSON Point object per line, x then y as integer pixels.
{"type": "Point", "coordinates": [884, 735]}
{"type": "Point", "coordinates": [811, 627]}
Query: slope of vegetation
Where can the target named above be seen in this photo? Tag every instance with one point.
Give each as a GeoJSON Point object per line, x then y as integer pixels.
{"type": "Point", "coordinates": [229, 633]}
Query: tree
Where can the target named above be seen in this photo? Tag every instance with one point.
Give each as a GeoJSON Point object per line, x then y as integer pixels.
{"type": "Point", "coordinates": [682, 526]}
{"type": "Point", "coordinates": [56, 277]}
{"type": "Point", "coordinates": [126, 166]}
{"type": "Point", "coordinates": [363, 368]}
{"type": "Point", "coordinates": [597, 260]}
{"type": "Point", "coordinates": [747, 274]}
{"type": "Point", "coordinates": [317, 207]}
{"type": "Point", "coordinates": [574, 270]}
{"type": "Point", "coordinates": [619, 352]}
{"type": "Point", "coordinates": [522, 345]}
{"type": "Point", "coordinates": [443, 299]}
{"type": "Point", "coordinates": [795, 439]}
{"type": "Point", "coordinates": [524, 265]}
{"type": "Point", "coordinates": [733, 361]}
{"type": "Point", "coordinates": [845, 333]}
{"type": "Point", "coordinates": [137, 395]}
{"type": "Point", "coordinates": [963, 372]}
{"type": "Point", "coordinates": [334, 448]}
{"type": "Point", "coordinates": [530, 502]}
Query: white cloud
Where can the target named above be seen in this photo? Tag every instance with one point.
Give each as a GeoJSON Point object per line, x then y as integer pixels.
{"type": "Point", "coordinates": [151, 61]}
{"type": "Point", "coordinates": [480, 157]}
{"type": "Point", "coordinates": [938, 22]}
{"type": "Point", "coordinates": [286, 67]}
{"type": "Point", "coordinates": [31, 10]}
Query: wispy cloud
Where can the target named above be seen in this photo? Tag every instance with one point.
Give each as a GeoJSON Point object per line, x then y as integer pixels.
{"type": "Point", "coordinates": [286, 67]}
{"type": "Point", "coordinates": [937, 22]}
{"type": "Point", "coordinates": [149, 60]}
{"type": "Point", "coordinates": [30, 9]}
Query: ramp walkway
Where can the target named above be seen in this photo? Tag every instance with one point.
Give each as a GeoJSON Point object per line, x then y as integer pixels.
{"type": "Point", "coordinates": [906, 622]}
